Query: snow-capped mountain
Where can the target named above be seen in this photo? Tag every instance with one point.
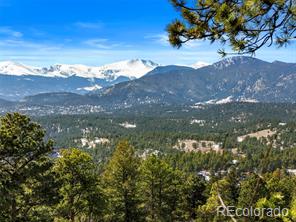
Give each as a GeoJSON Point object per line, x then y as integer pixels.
{"type": "Point", "coordinates": [135, 68]}
{"type": "Point", "coordinates": [232, 79]}
{"type": "Point", "coordinates": [237, 79]}
{"type": "Point", "coordinates": [15, 68]}
{"type": "Point", "coordinates": [18, 80]}
{"type": "Point", "coordinates": [130, 68]}
{"type": "Point", "coordinates": [199, 64]}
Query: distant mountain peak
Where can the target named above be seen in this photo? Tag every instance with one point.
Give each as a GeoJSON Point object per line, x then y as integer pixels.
{"type": "Point", "coordinates": [147, 63]}
{"type": "Point", "coordinates": [199, 64]}
{"type": "Point", "coordinates": [65, 70]}
{"type": "Point", "coordinates": [236, 60]}
{"type": "Point", "coordinates": [16, 68]}
{"type": "Point", "coordinates": [232, 79]}
{"type": "Point", "coordinates": [277, 62]}
{"type": "Point", "coordinates": [134, 68]}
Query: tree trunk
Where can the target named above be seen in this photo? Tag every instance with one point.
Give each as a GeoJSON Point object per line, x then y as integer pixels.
{"type": "Point", "coordinates": [13, 210]}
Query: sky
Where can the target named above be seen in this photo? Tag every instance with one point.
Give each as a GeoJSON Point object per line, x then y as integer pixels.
{"type": "Point", "coordinates": [97, 32]}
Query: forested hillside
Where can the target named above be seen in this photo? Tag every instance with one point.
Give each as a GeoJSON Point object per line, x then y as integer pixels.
{"type": "Point", "coordinates": [141, 167]}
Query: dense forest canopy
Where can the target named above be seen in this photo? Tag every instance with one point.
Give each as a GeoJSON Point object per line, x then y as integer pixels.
{"type": "Point", "coordinates": [81, 185]}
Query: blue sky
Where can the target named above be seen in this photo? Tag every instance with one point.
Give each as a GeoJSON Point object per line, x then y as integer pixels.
{"type": "Point", "coordinates": [96, 32]}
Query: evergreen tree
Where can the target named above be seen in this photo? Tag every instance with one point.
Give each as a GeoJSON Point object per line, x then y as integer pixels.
{"type": "Point", "coordinates": [194, 193]}
{"type": "Point", "coordinates": [24, 168]}
{"type": "Point", "coordinates": [220, 196]}
{"type": "Point", "coordinates": [158, 192]}
{"type": "Point", "coordinates": [121, 178]}
{"type": "Point", "coordinates": [233, 179]}
{"type": "Point", "coordinates": [79, 191]}
{"type": "Point", "coordinates": [245, 25]}
{"type": "Point", "coordinates": [252, 189]}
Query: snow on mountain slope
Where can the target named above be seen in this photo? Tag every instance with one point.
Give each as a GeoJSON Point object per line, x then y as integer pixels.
{"type": "Point", "coordinates": [199, 64]}
{"type": "Point", "coordinates": [226, 100]}
{"type": "Point", "coordinates": [130, 68]}
{"type": "Point", "coordinates": [65, 71]}
{"type": "Point", "coordinates": [135, 68]}
{"type": "Point", "coordinates": [91, 88]}
{"type": "Point", "coordinates": [14, 68]}
{"type": "Point", "coordinates": [236, 61]}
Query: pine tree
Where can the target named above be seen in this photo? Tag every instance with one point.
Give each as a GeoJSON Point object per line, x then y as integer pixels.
{"type": "Point", "coordinates": [252, 189]}
{"type": "Point", "coordinates": [220, 191]}
{"type": "Point", "coordinates": [24, 167]}
{"type": "Point", "coordinates": [155, 179]}
{"type": "Point", "coordinates": [80, 193]}
{"type": "Point", "coordinates": [161, 188]}
{"type": "Point", "coordinates": [121, 185]}
{"type": "Point", "coordinates": [245, 25]}
{"type": "Point", "coordinates": [194, 195]}
{"type": "Point", "coordinates": [233, 180]}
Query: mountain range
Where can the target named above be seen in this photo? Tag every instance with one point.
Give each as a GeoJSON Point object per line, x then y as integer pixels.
{"type": "Point", "coordinates": [244, 79]}
{"type": "Point", "coordinates": [130, 68]}
{"type": "Point", "coordinates": [18, 80]}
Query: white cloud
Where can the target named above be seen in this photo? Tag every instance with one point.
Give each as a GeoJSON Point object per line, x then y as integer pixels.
{"type": "Point", "coordinates": [101, 43]}
{"type": "Point", "coordinates": [10, 32]}
{"type": "Point", "coordinates": [99, 51]}
{"type": "Point", "coordinates": [22, 44]}
{"type": "Point", "coordinates": [161, 39]}
{"type": "Point", "coordinates": [89, 25]}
